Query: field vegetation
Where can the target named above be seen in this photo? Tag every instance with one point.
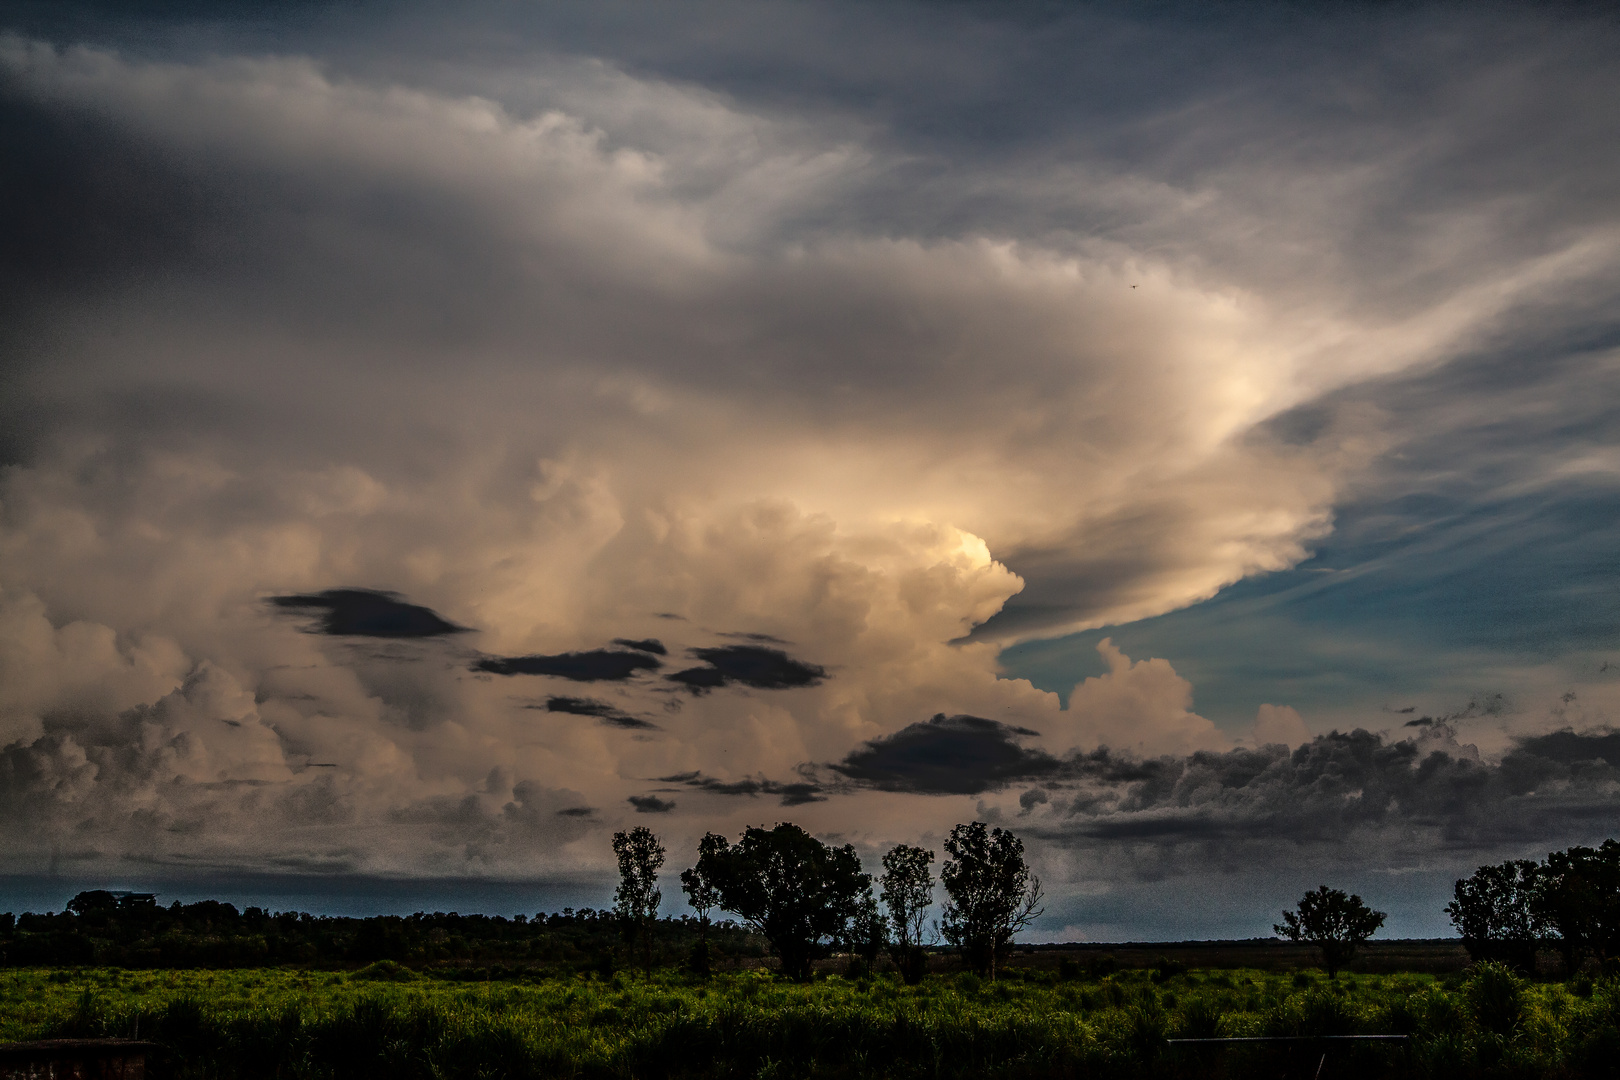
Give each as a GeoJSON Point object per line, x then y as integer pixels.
{"type": "Point", "coordinates": [816, 980]}
{"type": "Point", "coordinates": [386, 1020]}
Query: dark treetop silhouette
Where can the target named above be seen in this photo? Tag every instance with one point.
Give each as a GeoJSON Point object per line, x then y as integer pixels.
{"type": "Point", "coordinates": [1334, 922]}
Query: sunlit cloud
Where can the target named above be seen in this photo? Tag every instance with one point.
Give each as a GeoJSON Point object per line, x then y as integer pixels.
{"type": "Point", "coordinates": [423, 460]}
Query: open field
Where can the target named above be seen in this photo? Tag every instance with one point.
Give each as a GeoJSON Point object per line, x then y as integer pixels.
{"type": "Point", "coordinates": [389, 1021]}
{"type": "Point", "coordinates": [1436, 956]}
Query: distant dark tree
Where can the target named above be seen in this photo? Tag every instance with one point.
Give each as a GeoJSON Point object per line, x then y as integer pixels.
{"type": "Point", "coordinates": [992, 893]}
{"type": "Point", "coordinates": [908, 893]}
{"type": "Point", "coordinates": [95, 908]}
{"type": "Point", "coordinates": [637, 897]}
{"type": "Point", "coordinates": [704, 898]}
{"type": "Point", "coordinates": [1498, 913]}
{"type": "Point", "coordinates": [94, 901]}
{"type": "Point", "coordinates": [796, 891]}
{"type": "Point", "coordinates": [1579, 899]}
{"type": "Point", "coordinates": [868, 931]}
{"type": "Point", "coordinates": [1334, 922]}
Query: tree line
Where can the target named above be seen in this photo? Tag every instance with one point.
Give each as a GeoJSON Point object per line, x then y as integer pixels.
{"type": "Point", "coordinates": [1569, 902]}
{"type": "Point", "coordinates": [798, 898]}
{"type": "Point", "coordinates": [132, 930]}
{"type": "Point", "coordinates": [808, 898]}
{"type": "Point", "coordinates": [1506, 913]}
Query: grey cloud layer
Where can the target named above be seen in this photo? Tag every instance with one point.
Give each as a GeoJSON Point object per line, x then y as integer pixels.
{"type": "Point", "coordinates": [1345, 797]}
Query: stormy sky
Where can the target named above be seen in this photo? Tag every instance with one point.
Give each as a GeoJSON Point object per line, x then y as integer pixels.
{"type": "Point", "coordinates": [435, 436]}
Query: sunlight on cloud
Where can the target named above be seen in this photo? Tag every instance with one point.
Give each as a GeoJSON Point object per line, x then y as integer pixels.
{"type": "Point", "coordinates": [455, 475]}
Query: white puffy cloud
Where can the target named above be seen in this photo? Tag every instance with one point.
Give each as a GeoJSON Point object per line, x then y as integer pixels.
{"type": "Point", "coordinates": [1279, 724]}
{"type": "Point", "coordinates": [1141, 707]}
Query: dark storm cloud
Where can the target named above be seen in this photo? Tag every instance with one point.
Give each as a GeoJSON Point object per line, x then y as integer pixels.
{"type": "Point", "coordinates": [1344, 790]}
{"type": "Point", "coordinates": [650, 804]}
{"type": "Point", "coordinates": [1568, 748]}
{"type": "Point", "coordinates": [601, 710]}
{"type": "Point", "coordinates": [595, 665]}
{"type": "Point", "coordinates": [649, 645]}
{"type": "Point", "coordinates": [750, 665]}
{"type": "Point", "coordinates": [796, 793]}
{"type": "Point", "coordinates": [947, 755]}
{"type": "Point", "coordinates": [368, 613]}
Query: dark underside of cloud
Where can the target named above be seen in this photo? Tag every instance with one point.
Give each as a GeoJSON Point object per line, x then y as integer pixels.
{"type": "Point", "coordinates": [648, 645]}
{"type": "Point", "coordinates": [594, 665]}
{"type": "Point", "coordinates": [368, 613]}
{"type": "Point", "coordinates": [948, 755]}
{"type": "Point", "coordinates": [1341, 788]}
{"type": "Point", "coordinates": [793, 793]}
{"type": "Point", "coordinates": [650, 804]}
{"type": "Point", "coordinates": [750, 665]}
{"type": "Point", "coordinates": [601, 710]}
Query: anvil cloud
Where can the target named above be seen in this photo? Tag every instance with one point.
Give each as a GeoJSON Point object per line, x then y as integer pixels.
{"type": "Point", "coordinates": [432, 440]}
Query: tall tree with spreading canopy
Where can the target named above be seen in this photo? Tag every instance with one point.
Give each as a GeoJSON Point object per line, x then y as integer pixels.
{"type": "Point", "coordinates": [704, 898]}
{"type": "Point", "coordinates": [908, 893]}
{"type": "Point", "coordinates": [992, 894]}
{"type": "Point", "coordinates": [1498, 913]}
{"type": "Point", "coordinates": [637, 898]}
{"type": "Point", "coordinates": [1332, 920]}
{"type": "Point", "coordinates": [799, 893]}
{"type": "Point", "coordinates": [1579, 899]}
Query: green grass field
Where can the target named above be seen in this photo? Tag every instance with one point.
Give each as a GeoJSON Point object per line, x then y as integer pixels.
{"type": "Point", "coordinates": [390, 1022]}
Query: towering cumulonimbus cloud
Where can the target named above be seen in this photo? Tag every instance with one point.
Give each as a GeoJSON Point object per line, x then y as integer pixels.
{"type": "Point", "coordinates": [424, 467]}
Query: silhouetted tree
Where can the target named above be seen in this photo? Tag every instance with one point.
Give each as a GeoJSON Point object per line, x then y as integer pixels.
{"type": "Point", "coordinates": [637, 897]}
{"type": "Point", "coordinates": [796, 891]}
{"type": "Point", "coordinates": [908, 893]}
{"type": "Point", "coordinates": [704, 898]}
{"type": "Point", "coordinates": [1498, 913]}
{"type": "Point", "coordinates": [1334, 922]}
{"type": "Point", "coordinates": [868, 931]}
{"type": "Point", "coordinates": [1579, 899]}
{"type": "Point", "coordinates": [992, 893]}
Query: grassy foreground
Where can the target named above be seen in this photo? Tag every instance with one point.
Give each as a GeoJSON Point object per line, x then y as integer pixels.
{"type": "Point", "coordinates": [386, 1021]}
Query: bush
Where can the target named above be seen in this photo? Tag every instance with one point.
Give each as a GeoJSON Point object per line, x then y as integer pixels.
{"type": "Point", "coordinates": [1200, 1019]}
{"type": "Point", "coordinates": [385, 971]}
{"type": "Point", "coordinates": [1165, 969]}
{"type": "Point", "coordinates": [1495, 997]}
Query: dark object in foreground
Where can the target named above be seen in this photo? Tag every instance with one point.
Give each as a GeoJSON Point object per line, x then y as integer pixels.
{"type": "Point", "coordinates": [75, 1059]}
{"type": "Point", "coordinates": [1290, 1042]}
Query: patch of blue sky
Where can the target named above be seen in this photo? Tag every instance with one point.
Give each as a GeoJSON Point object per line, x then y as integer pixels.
{"type": "Point", "coordinates": [1486, 546]}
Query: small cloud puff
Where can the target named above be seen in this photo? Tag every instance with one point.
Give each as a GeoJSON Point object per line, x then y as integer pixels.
{"type": "Point", "coordinates": [1142, 707]}
{"type": "Point", "coordinates": [1278, 724]}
